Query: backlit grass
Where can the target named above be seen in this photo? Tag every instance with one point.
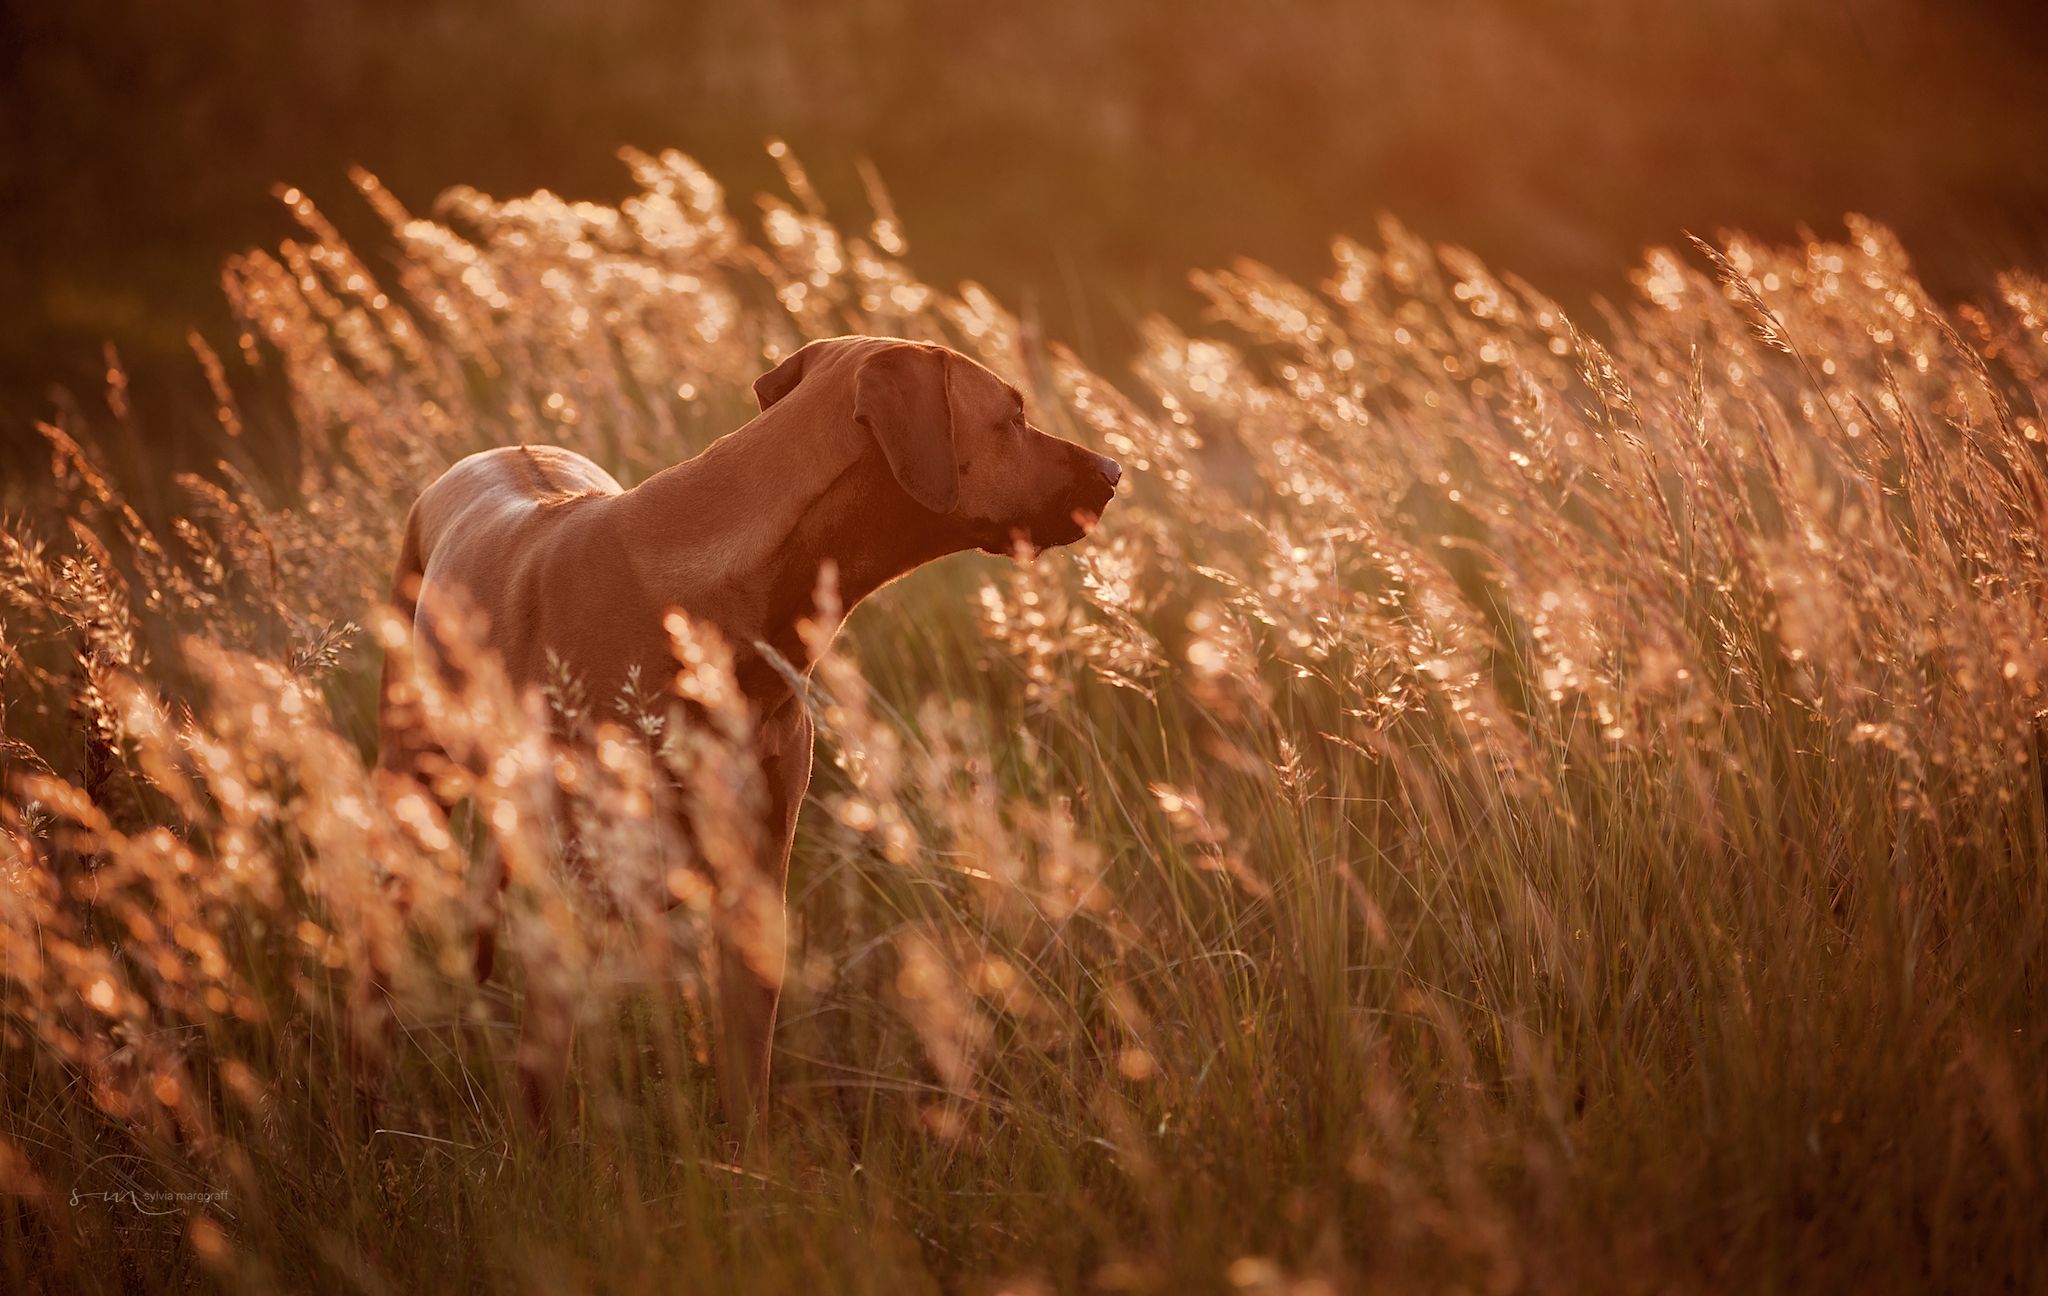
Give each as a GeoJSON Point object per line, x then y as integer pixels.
{"type": "Point", "coordinates": [1504, 802]}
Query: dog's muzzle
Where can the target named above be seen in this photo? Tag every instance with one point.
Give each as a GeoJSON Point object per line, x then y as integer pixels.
{"type": "Point", "coordinates": [1098, 486]}
{"type": "Point", "coordinates": [1091, 493]}
{"type": "Point", "coordinates": [1090, 488]}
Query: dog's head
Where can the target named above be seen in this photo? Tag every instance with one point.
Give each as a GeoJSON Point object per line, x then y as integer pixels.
{"type": "Point", "coordinates": [958, 441]}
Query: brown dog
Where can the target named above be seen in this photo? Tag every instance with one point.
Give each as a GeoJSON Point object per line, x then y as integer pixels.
{"type": "Point", "coordinates": [873, 454]}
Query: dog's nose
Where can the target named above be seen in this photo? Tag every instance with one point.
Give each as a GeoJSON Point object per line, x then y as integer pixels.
{"type": "Point", "coordinates": [1109, 469]}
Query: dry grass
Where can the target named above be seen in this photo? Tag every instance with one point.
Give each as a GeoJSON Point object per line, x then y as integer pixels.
{"type": "Point", "coordinates": [1492, 809]}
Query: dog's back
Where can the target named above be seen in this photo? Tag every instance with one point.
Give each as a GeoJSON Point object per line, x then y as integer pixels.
{"type": "Point", "coordinates": [473, 541]}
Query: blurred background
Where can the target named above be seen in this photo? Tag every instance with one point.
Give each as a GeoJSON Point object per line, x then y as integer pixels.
{"type": "Point", "coordinates": [1079, 156]}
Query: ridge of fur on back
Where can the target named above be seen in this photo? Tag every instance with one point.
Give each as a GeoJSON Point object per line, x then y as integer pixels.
{"type": "Point", "coordinates": [542, 483]}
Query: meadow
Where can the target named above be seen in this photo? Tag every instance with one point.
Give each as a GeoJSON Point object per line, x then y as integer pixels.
{"type": "Point", "coordinates": [1504, 802]}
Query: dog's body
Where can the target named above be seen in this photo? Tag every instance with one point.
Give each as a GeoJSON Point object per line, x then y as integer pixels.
{"type": "Point", "coordinates": [871, 454]}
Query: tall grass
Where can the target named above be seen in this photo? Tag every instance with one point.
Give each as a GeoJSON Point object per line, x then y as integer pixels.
{"type": "Point", "coordinates": [1492, 809]}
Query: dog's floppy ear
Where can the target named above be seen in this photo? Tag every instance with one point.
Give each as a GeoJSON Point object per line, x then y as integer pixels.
{"type": "Point", "coordinates": [903, 399]}
{"type": "Point", "coordinates": [782, 379]}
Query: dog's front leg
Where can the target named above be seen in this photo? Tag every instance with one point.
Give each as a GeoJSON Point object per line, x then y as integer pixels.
{"type": "Point", "coordinates": [547, 1036]}
{"type": "Point", "coordinates": [750, 979]}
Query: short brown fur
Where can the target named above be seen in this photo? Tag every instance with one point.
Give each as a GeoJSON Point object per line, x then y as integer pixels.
{"type": "Point", "coordinates": [874, 455]}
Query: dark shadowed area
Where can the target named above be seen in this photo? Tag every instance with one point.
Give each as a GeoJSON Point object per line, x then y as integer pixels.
{"type": "Point", "coordinates": [1078, 156]}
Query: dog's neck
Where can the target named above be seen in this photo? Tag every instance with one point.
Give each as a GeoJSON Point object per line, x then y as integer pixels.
{"type": "Point", "coordinates": [747, 527]}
